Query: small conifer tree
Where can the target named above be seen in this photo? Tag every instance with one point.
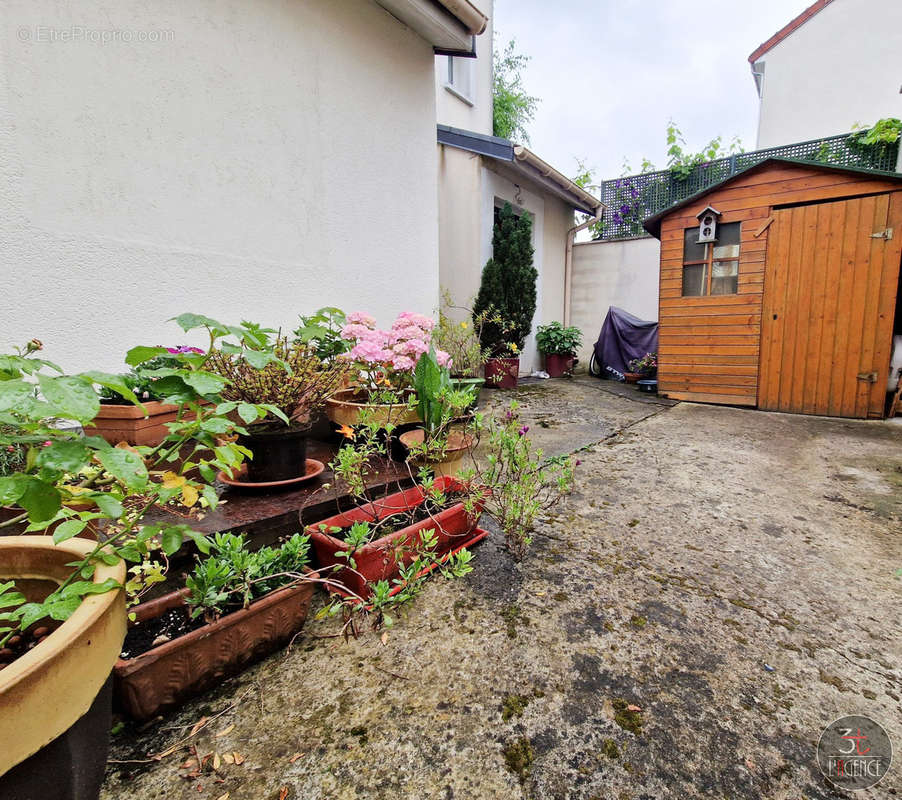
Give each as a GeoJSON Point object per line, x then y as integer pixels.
{"type": "Point", "coordinates": [508, 288]}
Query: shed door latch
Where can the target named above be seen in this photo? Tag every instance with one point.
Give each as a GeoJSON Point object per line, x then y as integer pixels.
{"type": "Point", "coordinates": [870, 377]}
{"type": "Point", "coordinates": [885, 234]}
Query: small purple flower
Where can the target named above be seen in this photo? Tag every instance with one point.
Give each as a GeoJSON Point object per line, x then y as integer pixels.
{"type": "Point", "coordinates": [624, 209]}
{"type": "Point", "coordinates": [509, 415]}
{"type": "Point", "coordinates": [524, 430]}
{"type": "Point", "coordinates": [634, 191]}
{"type": "Point", "coordinates": [617, 218]}
{"type": "Point", "coordinates": [577, 463]}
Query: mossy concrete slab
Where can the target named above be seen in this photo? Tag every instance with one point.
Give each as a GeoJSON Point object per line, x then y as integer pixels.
{"type": "Point", "coordinates": [718, 588]}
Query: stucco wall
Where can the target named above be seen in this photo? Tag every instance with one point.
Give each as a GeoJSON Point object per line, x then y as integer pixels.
{"type": "Point", "coordinates": [469, 190]}
{"type": "Point", "coordinates": [616, 273]}
{"type": "Point", "coordinates": [839, 68]}
{"type": "Point", "coordinates": [256, 161]}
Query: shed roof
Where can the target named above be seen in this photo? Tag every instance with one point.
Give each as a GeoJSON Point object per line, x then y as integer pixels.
{"type": "Point", "coordinates": [653, 224]}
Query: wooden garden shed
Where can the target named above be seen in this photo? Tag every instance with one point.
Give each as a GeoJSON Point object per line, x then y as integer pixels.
{"type": "Point", "coordinates": [794, 303]}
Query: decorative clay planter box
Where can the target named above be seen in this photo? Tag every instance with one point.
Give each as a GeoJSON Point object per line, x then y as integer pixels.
{"type": "Point", "coordinates": [168, 674]}
{"type": "Point", "coordinates": [127, 423]}
{"type": "Point", "coordinates": [378, 560]}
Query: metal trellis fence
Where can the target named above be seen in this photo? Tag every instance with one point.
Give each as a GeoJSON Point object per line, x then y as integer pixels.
{"type": "Point", "coordinates": [636, 197]}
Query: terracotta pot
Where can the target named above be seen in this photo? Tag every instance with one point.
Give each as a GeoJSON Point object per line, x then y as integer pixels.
{"type": "Point", "coordinates": [280, 454]}
{"type": "Point", "coordinates": [456, 450]}
{"type": "Point", "coordinates": [167, 675]}
{"type": "Point", "coordinates": [127, 423]}
{"type": "Point", "coordinates": [48, 690]}
{"type": "Point", "coordinates": [344, 408]}
{"type": "Point", "coordinates": [501, 373]}
{"type": "Point", "coordinates": [559, 364]}
{"type": "Point", "coordinates": [631, 377]}
{"type": "Point", "coordinates": [378, 560]}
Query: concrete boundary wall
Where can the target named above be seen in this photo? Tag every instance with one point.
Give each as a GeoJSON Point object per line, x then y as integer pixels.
{"type": "Point", "coordinates": [620, 273]}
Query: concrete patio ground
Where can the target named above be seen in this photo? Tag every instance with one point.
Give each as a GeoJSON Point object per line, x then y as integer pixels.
{"type": "Point", "coordinates": [728, 572]}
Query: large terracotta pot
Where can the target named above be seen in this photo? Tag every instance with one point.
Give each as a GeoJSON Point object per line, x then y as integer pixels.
{"type": "Point", "coordinates": [344, 408]}
{"type": "Point", "coordinates": [127, 423]}
{"type": "Point", "coordinates": [557, 365]}
{"type": "Point", "coordinates": [170, 673]}
{"type": "Point", "coordinates": [378, 560]}
{"type": "Point", "coordinates": [501, 373]}
{"type": "Point", "coordinates": [54, 714]}
{"type": "Point", "coordinates": [456, 450]}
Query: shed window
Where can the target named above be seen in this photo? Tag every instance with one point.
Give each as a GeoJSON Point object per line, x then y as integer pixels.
{"type": "Point", "coordinates": [711, 269]}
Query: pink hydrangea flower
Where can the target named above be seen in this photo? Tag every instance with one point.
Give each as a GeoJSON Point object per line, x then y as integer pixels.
{"type": "Point", "coordinates": [361, 318]}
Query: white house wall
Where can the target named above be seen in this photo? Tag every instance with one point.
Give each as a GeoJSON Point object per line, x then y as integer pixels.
{"type": "Point", "coordinates": [613, 273]}
{"type": "Point", "coordinates": [246, 160]}
{"type": "Point", "coordinates": [840, 67]}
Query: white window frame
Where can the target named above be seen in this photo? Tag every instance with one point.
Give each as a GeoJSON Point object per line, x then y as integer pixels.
{"type": "Point", "coordinates": [460, 78]}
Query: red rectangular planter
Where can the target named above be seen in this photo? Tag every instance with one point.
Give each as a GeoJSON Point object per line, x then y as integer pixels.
{"type": "Point", "coordinates": [167, 675]}
{"type": "Point", "coordinates": [377, 560]}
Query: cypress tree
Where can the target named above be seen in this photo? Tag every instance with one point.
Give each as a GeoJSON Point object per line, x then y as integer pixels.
{"type": "Point", "coordinates": [508, 287]}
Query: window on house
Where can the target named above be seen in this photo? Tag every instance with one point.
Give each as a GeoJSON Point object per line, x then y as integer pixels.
{"type": "Point", "coordinates": [711, 268]}
{"type": "Point", "coordinates": [460, 77]}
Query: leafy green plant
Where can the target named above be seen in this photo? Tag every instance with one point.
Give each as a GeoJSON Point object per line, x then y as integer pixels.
{"type": "Point", "coordinates": [322, 331]}
{"type": "Point", "coordinates": [512, 108]}
{"type": "Point", "coordinates": [508, 288]}
{"type": "Point", "coordinates": [681, 162]}
{"type": "Point", "coordinates": [878, 137]}
{"type": "Point", "coordinates": [516, 480]}
{"type": "Point", "coordinates": [555, 339]}
{"type": "Point", "coordinates": [232, 576]}
{"type": "Point", "coordinates": [287, 386]}
{"type": "Point", "coordinates": [461, 339]}
{"type": "Point", "coordinates": [71, 481]}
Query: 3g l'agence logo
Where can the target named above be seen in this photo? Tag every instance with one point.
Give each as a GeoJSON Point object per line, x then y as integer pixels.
{"type": "Point", "coordinates": [854, 752]}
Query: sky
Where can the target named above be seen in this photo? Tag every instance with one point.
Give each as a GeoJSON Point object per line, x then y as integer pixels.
{"type": "Point", "coordinates": [611, 73]}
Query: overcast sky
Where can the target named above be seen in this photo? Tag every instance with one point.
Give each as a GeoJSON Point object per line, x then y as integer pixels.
{"type": "Point", "coordinates": [610, 73]}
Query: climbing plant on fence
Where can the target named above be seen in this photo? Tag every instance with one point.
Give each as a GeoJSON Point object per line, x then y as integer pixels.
{"type": "Point", "coordinates": [633, 198]}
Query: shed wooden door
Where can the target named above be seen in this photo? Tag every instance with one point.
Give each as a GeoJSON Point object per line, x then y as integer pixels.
{"type": "Point", "coordinates": [829, 300]}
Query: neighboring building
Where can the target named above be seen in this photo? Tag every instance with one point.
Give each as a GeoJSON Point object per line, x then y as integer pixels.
{"type": "Point", "coordinates": [478, 173]}
{"type": "Point", "coordinates": [246, 160]}
{"type": "Point", "coordinates": [838, 63]}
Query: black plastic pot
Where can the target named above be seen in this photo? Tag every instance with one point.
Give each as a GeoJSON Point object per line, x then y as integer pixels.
{"type": "Point", "coordinates": [280, 453]}
{"type": "Point", "coordinates": [71, 767]}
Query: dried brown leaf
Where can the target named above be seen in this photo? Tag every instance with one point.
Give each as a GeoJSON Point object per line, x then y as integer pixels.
{"type": "Point", "coordinates": [384, 638]}
{"type": "Point", "coordinates": [294, 758]}
{"type": "Point", "coordinates": [239, 759]}
{"type": "Point", "coordinates": [633, 708]}
{"type": "Point", "coordinates": [283, 793]}
{"type": "Point", "coordinates": [225, 731]}
{"type": "Point", "coordinates": [198, 725]}
{"type": "Point", "coordinates": [223, 796]}
{"type": "Point", "coordinates": [228, 758]}
{"type": "Point", "coordinates": [217, 762]}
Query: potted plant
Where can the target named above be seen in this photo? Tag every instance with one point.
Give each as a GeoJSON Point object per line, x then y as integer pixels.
{"type": "Point", "coordinates": [559, 345]}
{"type": "Point", "coordinates": [459, 334]}
{"type": "Point", "coordinates": [383, 363]}
{"type": "Point", "coordinates": [645, 367]}
{"type": "Point", "coordinates": [372, 542]}
{"type": "Point", "coordinates": [276, 387]}
{"type": "Point", "coordinates": [62, 610]}
{"type": "Point", "coordinates": [508, 293]}
{"type": "Point", "coordinates": [236, 607]}
{"type": "Point", "coordinates": [445, 436]}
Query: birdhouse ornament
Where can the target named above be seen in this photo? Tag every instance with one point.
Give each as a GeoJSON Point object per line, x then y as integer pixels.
{"type": "Point", "coordinates": [707, 225]}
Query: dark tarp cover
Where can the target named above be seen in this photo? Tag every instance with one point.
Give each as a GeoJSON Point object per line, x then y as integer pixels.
{"type": "Point", "coordinates": [623, 337]}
